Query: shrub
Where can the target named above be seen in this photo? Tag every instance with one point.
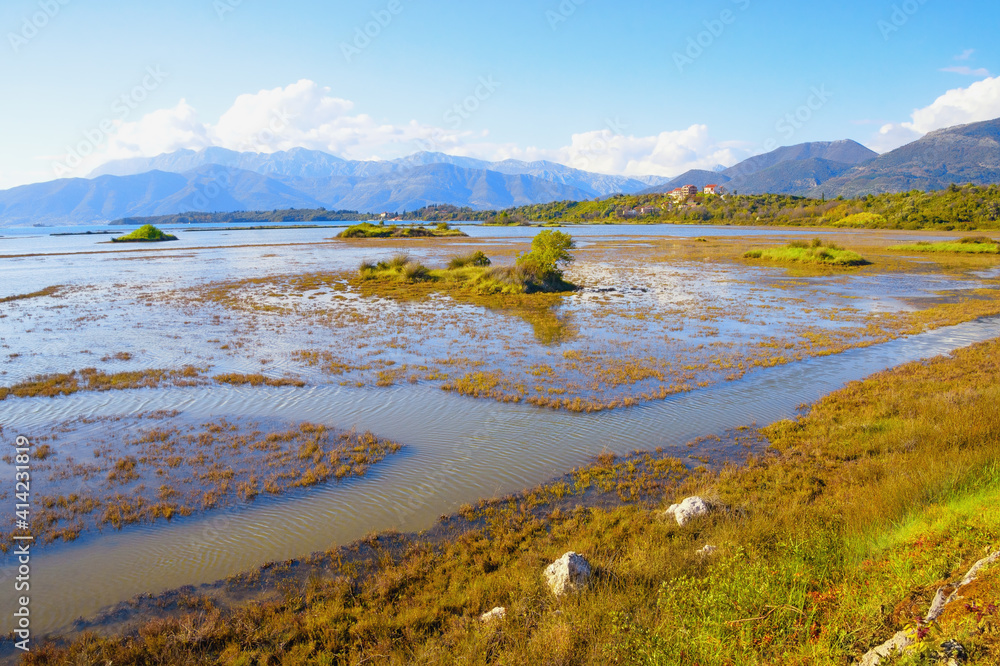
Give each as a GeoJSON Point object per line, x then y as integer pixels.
{"type": "Point", "coordinates": [471, 259]}
{"type": "Point", "coordinates": [415, 272]}
{"type": "Point", "coordinates": [147, 233]}
{"type": "Point", "coordinates": [549, 249]}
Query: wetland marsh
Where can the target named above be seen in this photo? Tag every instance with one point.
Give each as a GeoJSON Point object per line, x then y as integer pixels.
{"type": "Point", "coordinates": [271, 353]}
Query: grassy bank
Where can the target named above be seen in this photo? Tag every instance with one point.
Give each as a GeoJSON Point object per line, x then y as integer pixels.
{"type": "Point", "coordinates": [969, 245]}
{"type": "Point", "coordinates": [827, 544]}
{"type": "Point", "coordinates": [368, 230]}
{"type": "Point", "coordinates": [147, 233]}
{"type": "Point", "coordinates": [816, 252]}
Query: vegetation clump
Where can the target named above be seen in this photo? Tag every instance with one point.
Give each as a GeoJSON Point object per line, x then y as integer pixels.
{"type": "Point", "coordinates": [47, 291]}
{"type": "Point", "coordinates": [147, 233]}
{"type": "Point", "coordinates": [237, 379]}
{"type": "Point", "coordinates": [92, 379]}
{"type": "Point", "coordinates": [967, 245]}
{"type": "Point", "coordinates": [816, 252]}
{"type": "Point", "coordinates": [539, 270]}
{"type": "Point", "coordinates": [368, 230]}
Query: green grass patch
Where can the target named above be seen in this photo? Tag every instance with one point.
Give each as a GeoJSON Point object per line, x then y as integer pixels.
{"type": "Point", "coordinates": [969, 245]}
{"type": "Point", "coordinates": [147, 233]}
{"type": "Point", "coordinates": [862, 221]}
{"type": "Point", "coordinates": [368, 230]}
{"type": "Point", "coordinates": [817, 252]}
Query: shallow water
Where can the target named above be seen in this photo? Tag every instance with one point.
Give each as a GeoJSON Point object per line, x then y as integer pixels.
{"type": "Point", "coordinates": [458, 449]}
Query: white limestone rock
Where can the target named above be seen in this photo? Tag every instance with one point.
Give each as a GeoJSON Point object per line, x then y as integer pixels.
{"type": "Point", "coordinates": [570, 573]}
{"type": "Point", "coordinates": [498, 613]}
{"type": "Point", "coordinates": [689, 509]}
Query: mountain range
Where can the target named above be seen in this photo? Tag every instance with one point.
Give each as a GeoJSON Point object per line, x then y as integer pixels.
{"type": "Point", "coordinates": [787, 170]}
{"type": "Point", "coordinates": [220, 180]}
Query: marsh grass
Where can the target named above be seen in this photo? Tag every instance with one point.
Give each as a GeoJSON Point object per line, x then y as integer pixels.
{"type": "Point", "coordinates": [237, 379]}
{"type": "Point", "coordinates": [816, 252]}
{"type": "Point", "coordinates": [157, 470]}
{"type": "Point", "coordinates": [91, 379]}
{"type": "Point", "coordinates": [828, 544]}
{"type": "Point", "coordinates": [467, 274]}
{"type": "Point", "coordinates": [968, 245]}
{"type": "Point", "coordinates": [48, 291]}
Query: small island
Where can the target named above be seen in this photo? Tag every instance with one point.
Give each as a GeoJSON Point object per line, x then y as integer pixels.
{"type": "Point", "coordinates": [536, 271]}
{"type": "Point", "coordinates": [368, 230]}
{"type": "Point", "coordinates": [145, 234]}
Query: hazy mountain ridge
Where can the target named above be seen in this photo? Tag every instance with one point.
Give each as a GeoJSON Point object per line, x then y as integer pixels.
{"type": "Point", "coordinates": [215, 188]}
{"type": "Point", "coordinates": [314, 164]}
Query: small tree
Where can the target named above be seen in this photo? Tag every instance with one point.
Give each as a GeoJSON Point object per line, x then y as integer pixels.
{"type": "Point", "coordinates": [549, 249]}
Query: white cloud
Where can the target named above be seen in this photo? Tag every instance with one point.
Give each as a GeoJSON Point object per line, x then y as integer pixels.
{"type": "Point", "coordinates": [305, 114]}
{"type": "Point", "coordinates": [967, 71]}
{"type": "Point", "coordinates": [980, 101]}
{"type": "Point", "coordinates": [965, 55]}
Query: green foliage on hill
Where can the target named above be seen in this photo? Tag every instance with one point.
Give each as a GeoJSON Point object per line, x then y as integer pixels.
{"type": "Point", "coordinates": [955, 208]}
{"type": "Point", "coordinates": [145, 234]}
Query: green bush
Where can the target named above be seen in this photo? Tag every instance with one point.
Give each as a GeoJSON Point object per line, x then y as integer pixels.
{"type": "Point", "coordinates": [147, 233]}
{"type": "Point", "coordinates": [471, 259]}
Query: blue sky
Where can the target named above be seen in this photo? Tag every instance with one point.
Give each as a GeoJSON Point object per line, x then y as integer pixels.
{"type": "Point", "coordinates": [620, 87]}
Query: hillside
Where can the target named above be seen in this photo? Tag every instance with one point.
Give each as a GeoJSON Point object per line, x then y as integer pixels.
{"type": "Point", "coordinates": [787, 170]}
{"type": "Point", "coordinates": [846, 151]}
{"type": "Point", "coordinates": [963, 154]}
{"type": "Point", "coordinates": [792, 177]}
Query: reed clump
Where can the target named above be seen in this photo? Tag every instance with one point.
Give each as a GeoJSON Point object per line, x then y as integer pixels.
{"type": "Point", "coordinates": [815, 252]}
